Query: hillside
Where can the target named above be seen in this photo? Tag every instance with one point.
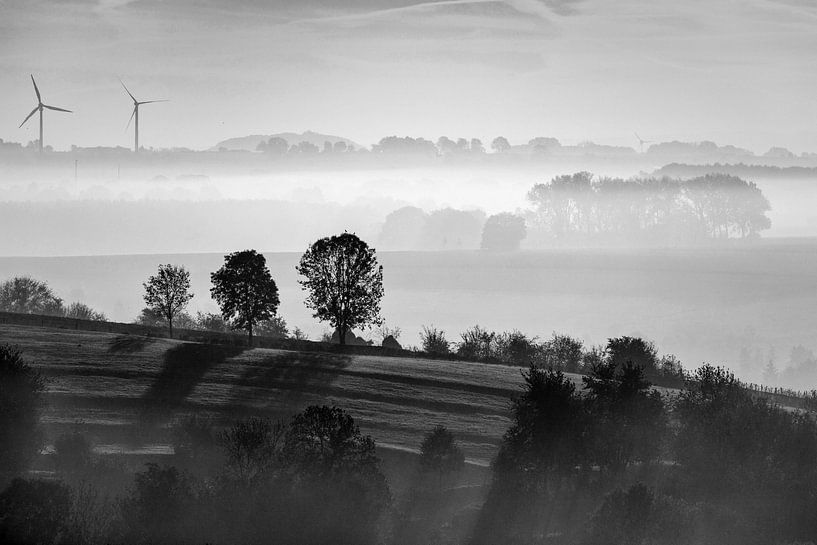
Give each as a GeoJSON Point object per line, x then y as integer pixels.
{"type": "Point", "coordinates": [250, 143]}
{"type": "Point", "coordinates": [124, 390]}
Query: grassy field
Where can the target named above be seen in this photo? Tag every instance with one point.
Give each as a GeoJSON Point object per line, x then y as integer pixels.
{"type": "Point", "coordinates": [126, 390]}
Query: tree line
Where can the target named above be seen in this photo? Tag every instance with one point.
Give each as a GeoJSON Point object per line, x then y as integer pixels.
{"type": "Point", "coordinates": [340, 273]}
{"type": "Point", "coordinates": [579, 207]}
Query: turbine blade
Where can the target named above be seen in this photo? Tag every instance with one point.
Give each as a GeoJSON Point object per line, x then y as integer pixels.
{"type": "Point", "coordinates": [152, 101]}
{"type": "Point", "coordinates": [126, 90]}
{"type": "Point", "coordinates": [39, 99]}
{"type": "Point", "coordinates": [34, 111]}
{"type": "Point", "coordinates": [57, 109]}
{"type": "Point", "coordinates": [131, 117]}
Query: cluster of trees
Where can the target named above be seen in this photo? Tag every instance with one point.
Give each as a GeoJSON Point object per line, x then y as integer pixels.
{"type": "Point", "coordinates": [411, 228]}
{"type": "Point", "coordinates": [579, 207]}
{"type": "Point", "coordinates": [279, 146]}
{"type": "Point", "coordinates": [560, 352]}
{"type": "Point", "coordinates": [340, 273]}
{"type": "Point", "coordinates": [603, 465]}
{"type": "Point", "coordinates": [25, 295]}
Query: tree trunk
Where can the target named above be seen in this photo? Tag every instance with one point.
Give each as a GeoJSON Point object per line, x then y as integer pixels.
{"type": "Point", "coordinates": [341, 335]}
{"type": "Point", "coordinates": [249, 329]}
{"type": "Point", "coordinates": [170, 326]}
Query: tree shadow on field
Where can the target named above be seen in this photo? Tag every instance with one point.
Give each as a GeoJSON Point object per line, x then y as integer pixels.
{"type": "Point", "coordinates": [129, 344]}
{"type": "Point", "coordinates": [284, 383]}
{"type": "Point", "coordinates": [184, 367]}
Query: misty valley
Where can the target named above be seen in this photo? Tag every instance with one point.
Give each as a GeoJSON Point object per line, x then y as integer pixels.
{"type": "Point", "coordinates": [408, 272]}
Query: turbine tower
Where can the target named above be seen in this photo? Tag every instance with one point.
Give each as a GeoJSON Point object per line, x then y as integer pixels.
{"type": "Point", "coordinates": [135, 116]}
{"type": "Point", "coordinates": [39, 108]}
{"type": "Point", "coordinates": [642, 142]}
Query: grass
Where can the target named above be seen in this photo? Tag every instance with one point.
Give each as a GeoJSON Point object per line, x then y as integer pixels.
{"type": "Point", "coordinates": [126, 390]}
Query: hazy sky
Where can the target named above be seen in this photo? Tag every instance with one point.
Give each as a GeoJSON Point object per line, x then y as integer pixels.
{"type": "Point", "coordinates": [741, 72]}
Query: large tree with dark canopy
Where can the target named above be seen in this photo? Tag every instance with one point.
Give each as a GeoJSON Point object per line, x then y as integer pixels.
{"type": "Point", "coordinates": [344, 281]}
{"type": "Point", "coordinates": [245, 290]}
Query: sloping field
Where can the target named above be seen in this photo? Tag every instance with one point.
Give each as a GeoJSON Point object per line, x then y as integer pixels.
{"type": "Point", "coordinates": [125, 390]}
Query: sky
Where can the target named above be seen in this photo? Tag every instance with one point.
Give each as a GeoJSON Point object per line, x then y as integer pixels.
{"type": "Point", "coordinates": [736, 72]}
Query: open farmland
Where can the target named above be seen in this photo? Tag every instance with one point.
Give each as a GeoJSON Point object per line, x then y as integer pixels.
{"type": "Point", "coordinates": [125, 390]}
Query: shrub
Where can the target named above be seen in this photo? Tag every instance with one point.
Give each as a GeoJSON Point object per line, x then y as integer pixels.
{"type": "Point", "coordinates": [81, 311]}
{"type": "Point", "coordinates": [251, 447]}
{"type": "Point", "coordinates": [476, 344]}
{"type": "Point", "coordinates": [434, 341]}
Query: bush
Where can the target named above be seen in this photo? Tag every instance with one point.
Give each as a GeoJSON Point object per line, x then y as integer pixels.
{"type": "Point", "coordinates": [477, 344]}
{"type": "Point", "coordinates": [81, 311]}
{"type": "Point", "coordinates": [434, 341]}
{"type": "Point", "coordinates": [211, 322]}
{"type": "Point", "coordinates": [275, 327]}
{"type": "Point", "coordinates": [33, 511]}
{"type": "Point", "coordinates": [251, 447]}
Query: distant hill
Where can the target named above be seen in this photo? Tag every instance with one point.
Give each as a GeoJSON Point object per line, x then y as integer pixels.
{"type": "Point", "coordinates": [250, 143]}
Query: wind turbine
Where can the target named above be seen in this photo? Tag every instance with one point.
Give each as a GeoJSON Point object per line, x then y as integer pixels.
{"type": "Point", "coordinates": [39, 108]}
{"type": "Point", "coordinates": [135, 114]}
{"type": "Point", "coordinates": [642, 142]}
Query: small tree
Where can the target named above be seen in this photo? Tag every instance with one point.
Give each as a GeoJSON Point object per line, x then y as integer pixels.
{"type": "Point", "coordinates": [344, 281]}
{"type": "Point", "coordinates": [245, 290]}
{"type": "Point", "coordinates": [168, 292]}
{"type": "Point", "coordinates": [81, 311]}
{"type": "Point", "coordinates": [434, 341]}
{"type": "Point", "coordinates": [440, 454]}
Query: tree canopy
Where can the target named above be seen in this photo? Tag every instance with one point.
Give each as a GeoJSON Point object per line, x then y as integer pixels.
{"type": "Point", "coordinates": [344, 282]}
{"type": "Point", "coordinates": [168, 292]}
{"type": "Point", "coordinates": [245, 290]}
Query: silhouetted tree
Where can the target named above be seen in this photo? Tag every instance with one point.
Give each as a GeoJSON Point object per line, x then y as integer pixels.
{"type": "Point", "coordinates": [440, 454]}
{"type": "Point", "coordinates": [537, 460]}
{"type": "Point", "coordinates": [20, 390]}
{"type": "Point", "coordinates": [627, 419]}
{"type": "Point", "coordinates": [434, 341]}
{"type": "Point", "coordinates": [338, 469]}
{"type": "Point", "coordinates": [25, 295]}
{"type": "Point", "coordinates": [503, 231]}
{"type": "Point", "coordinates": [344, 282]}
{"type": "Point", "coordinates": [168, 292]}
{"type": "Point", "coordinates": [245, 290]}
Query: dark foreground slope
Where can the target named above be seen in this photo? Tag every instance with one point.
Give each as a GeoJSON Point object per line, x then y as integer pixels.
{"type": "Point", "coordinates": [126, 391]}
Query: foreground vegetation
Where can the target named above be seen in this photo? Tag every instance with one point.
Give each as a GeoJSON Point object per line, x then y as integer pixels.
{"type": "Point", "coordinates": [601, 459]}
